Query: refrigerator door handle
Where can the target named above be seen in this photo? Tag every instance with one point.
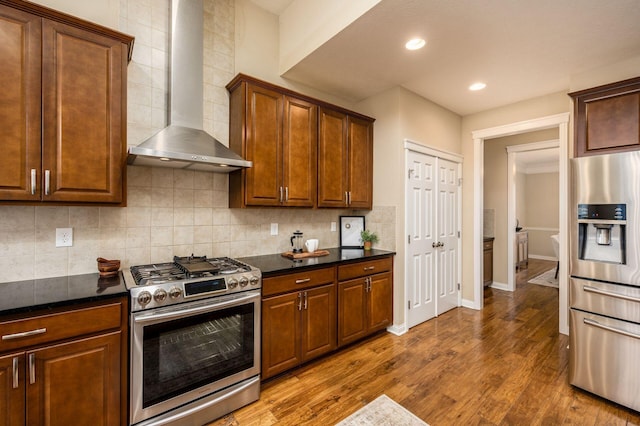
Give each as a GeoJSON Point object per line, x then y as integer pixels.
{"type": "Point", "coordinates": [590, 289]}
{"type": "Point", "coordinates": [617, 330]}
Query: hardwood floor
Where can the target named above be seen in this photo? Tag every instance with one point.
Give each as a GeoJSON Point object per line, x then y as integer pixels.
{"type": "Point", "coordinates": [504, 365]}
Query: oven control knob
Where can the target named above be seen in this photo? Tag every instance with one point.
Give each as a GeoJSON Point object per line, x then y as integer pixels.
{"type": "Point", "coordinates": [144, 298]}
{"type": "Point", "coordinates": [233, 283]}
{"type": "Point", "coordinates": [244, 281]}
{"type": "Point", "coordinates": [175, 292]}
{"type": "Point", "coordinates": [254, 280]}
{"type": "Point", "coordinates": [160, 295]}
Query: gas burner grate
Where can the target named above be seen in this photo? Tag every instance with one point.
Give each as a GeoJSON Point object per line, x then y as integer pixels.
{"type": "Point", "coordinates": [155, 273]}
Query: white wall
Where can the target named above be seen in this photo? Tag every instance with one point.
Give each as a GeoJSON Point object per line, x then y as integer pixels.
{"type": "Point", "coordinates": [401, 114]}
{"type": "Point", "coordinates": [306, 25]}
{"type": "Point", "coordinates": [257, 50]}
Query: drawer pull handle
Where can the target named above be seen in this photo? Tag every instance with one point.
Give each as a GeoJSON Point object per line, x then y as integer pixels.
{"type": "Point", "coordinates": [32, 368]}
{"type": "Point", "coordinates": [590, 289]}
{"type": "Point", "coordinates": [609, 328]}
{"type": "Point", "coordinates": [24, 334]}
{"type": "Point", "coordinates": [15, 373]}
{"type": "Point", "coordinates": [302, 281]}
{"type": "Point", "coordinates": [369, 268]}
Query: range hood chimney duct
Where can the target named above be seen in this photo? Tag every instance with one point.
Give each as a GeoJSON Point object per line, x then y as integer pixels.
{"type": "Point", "coordinates": [183, 144]}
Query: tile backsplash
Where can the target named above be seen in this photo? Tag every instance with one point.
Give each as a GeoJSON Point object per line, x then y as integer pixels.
{"type": "Point", "coordinates": [170, 212]}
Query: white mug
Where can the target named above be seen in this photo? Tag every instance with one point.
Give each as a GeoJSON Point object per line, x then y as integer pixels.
{"type": "Point", "coordinates": [311, 245]}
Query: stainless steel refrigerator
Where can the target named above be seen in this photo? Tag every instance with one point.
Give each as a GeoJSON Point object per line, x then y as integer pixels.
{"type": "Point", "coordinates": [604, 289]}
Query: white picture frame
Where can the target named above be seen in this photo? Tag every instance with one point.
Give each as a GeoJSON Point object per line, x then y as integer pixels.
{"type": "Point", "coordinates": [350, 229]}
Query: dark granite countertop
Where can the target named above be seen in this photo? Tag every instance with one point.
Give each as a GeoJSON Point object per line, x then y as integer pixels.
{"type": "Point", "coordinates": [276, 264]}
{"type": "Point", "coordinates": [46, 293]}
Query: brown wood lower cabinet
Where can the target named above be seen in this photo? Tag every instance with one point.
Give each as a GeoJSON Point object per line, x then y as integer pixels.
{"type": "Point", "coordinates": [298, 325]}
{"type": "Point", "coordinates": [81, 380]}
{"type": "Point", "coordinates": [364, 306]}
{"type": "Point", "coordinates": [303, 317]}
{"type": "Point", "coordinates": [487, 266]}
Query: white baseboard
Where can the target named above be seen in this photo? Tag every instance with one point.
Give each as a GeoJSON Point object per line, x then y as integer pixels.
{"type": "Point", "coordinates": [398, 330]}
{"type": "Point", "coordinates": [499, 286]}
{"type": "Point", "coordinates": [466, 303]}
{"type": "Point", "coordinates": [537, 256]}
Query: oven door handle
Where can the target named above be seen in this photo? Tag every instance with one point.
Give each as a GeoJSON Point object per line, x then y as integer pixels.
{"type": "Point", "coordinates": [182, 312]}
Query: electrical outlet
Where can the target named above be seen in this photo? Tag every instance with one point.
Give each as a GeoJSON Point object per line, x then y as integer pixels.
{"type": "Point", "coordinates": [274, 229]}
{"type": "Point", "coordinates": [334, 227]}
{"type": "Point", "coordinates": [64, 237]}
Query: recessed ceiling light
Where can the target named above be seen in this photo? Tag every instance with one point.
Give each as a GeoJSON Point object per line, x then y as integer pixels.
{"type": "Point", "coordinates": [415, 43]}
{"type": "Point", "coordinates": [477, 86]}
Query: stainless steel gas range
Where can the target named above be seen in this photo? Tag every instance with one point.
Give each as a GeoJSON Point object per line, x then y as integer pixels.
{"type": "Point", "coordinates": [195, 339]}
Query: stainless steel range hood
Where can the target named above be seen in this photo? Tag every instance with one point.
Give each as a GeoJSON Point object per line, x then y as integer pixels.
{"type": "Point", "coordinates": [183, 144]}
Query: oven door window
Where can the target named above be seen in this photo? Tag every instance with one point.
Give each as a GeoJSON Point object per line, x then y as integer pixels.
{"type": "Point", "coordinates": [185, 354]}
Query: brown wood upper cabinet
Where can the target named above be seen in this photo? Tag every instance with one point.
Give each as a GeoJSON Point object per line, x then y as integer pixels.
{"type": "Point", "coordinates": [278, 132]}
{"type": "Point", "coordinates": [607, 118]}
{"type": "Point", "coordinates": [305, 152]}
{"type": "Point", "coordinates": [345, 160]}
{"type": "Point", "coordinates": [62, 107]}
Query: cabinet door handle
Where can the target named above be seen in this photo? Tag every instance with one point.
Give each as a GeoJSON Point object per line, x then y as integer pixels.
{"type": "Point", "coordinates": [286, 193]}
{"type": "Point", "coordinates": [47, 181]}
{"type": "Point", "coordinates": [369, 268]}
{"type": "Point", "coordinates": [302, 281]}
{"type": "Point", "coordinates": [33, 181]}
{"type": "Point", "coordinates": [24, 334]}
{"type": "Point", "coordinates": [280, 194]}
{"type": "Point", "coordinates": [32, 368]}
{"type": "Point", "coordinates": [299, 301]}
{"type": "Point", "coordinates": [15, 372]}
{"type": "Point", "coordinates": [306, 299]}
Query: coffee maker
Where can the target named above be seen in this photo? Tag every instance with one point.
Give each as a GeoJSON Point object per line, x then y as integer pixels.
{"type": "Point", "coordinates": [601, 232]}
{"type": "Point", "coordinates": [297, 242]}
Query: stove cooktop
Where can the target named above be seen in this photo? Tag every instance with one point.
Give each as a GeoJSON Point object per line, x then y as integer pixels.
{"type": "Point", "coordinates": [184, 268]}
{"type": "Point", "coordinates": [188, 278]}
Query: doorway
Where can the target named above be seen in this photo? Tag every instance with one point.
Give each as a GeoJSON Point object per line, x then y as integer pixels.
{"type": "Point", "coordinates": [531, 158]}
{"type": "Point", "coordinates": [520, 182]}
{"type": "Point", "coordinates": [561, 122]}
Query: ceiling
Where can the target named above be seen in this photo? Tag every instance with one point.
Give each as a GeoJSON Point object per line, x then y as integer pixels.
{"type": "Point", "coordinates": [520, 48]}
{"type": "Point", "coordinates": [538, 161]}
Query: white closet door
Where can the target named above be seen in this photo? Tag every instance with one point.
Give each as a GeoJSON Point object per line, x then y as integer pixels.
{"type": "Point", "coordinates": [432, 248]}
{"type": "Point", "coordinates": [447, 239]}
{"type": "Point", "coordinates": [420, 274]}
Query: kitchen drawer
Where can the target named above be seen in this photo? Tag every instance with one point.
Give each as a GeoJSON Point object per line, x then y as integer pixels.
{"type": "Point", "coordinates": [297, 281]}
{"type": "Point", "coordinates": [362, 269]}
{"type": "Point", "coordinates": [602, 355]}
{"type": "Point", "coordinates": [603, 298]}
{"type": "Point", "coordinates": [39, 329]}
